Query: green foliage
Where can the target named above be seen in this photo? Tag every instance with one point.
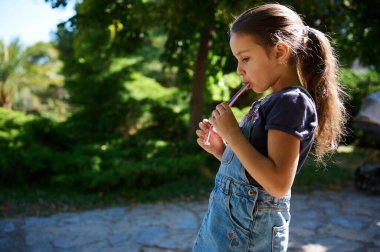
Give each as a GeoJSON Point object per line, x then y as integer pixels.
{"type": "Point", "coordinates": [30, 79]}
{"type": "Point", "coordinates": [97, 81]}
{"type": "Point", "coordinates": [333, 176]}
{"type": "Point", "coordinates": [11, 57]}
{"type": "Point", "coordinates": [37, 151]}
{"type": "Point", "coordinates": [358, 85]}
{"type": "Point", "coordinates": [337, 173]}
{"type": "Point", "coordinates": [353, 26]}
{"type": "Point", "coordinates": [184, 32]}
{"type": "Point", "coordinates": [49, 153]}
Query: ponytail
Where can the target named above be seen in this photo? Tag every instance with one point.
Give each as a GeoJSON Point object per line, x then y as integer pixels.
{"type": "Point", "coordinates": [318, 68]}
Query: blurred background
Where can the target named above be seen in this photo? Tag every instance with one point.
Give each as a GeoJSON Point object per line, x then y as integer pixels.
{"type": "Point", "coordinates": [104, 110]}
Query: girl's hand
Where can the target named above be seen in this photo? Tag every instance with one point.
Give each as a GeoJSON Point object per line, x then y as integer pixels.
{"type": "Point", "coordinates": [224, 121]}
{"type": "Point", "coordinates": [217, 145]}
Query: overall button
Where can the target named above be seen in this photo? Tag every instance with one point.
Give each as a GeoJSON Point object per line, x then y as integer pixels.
{"type": "Point", "coordinates": [251, 192]}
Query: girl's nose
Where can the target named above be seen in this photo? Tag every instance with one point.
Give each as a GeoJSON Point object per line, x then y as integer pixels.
{"type": "Point", "coordinates": [239, 70]}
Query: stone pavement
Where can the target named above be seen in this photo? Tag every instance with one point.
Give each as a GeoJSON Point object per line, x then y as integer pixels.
{"type": "Point", "coordinates": [321, 221]}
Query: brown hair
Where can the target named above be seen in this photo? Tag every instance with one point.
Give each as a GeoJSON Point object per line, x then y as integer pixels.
{"type": "Point", "coordinates": [315, 62]}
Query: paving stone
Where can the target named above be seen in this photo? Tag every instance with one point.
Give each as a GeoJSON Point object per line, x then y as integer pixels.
{"type": "Point", "coordinates": [185, 220]}
{"type": "Point", "coordinates": [129, 248]}
{"type": "Point", "coordinates": [350, 221]}
{"type": "Point", "coordinates": [334, 244]}
{"type": "Point", "coordinates": [42, 247]}
{"type": "Point", "coordinates": [71, 241]}
{"type": "Point", "coordinates": [372, 250]}
{"type": "Point", "coordinates": [118, 238]}
{"type": "Point", "coordinates": [321, 222]}
{"type": "Point", "coordinates": [6, 245]}
{"type": "Point", "coordinates": [35, 222]}
{"type": "Point", "coordinates": [7, 227]}
{"type": "Point", "coordinates": [307, 219]}
{"type": "Point", "coordinates": [330, 208]}
{"type": "Point", "coordinates": [151, 236]}
{"type": "Point", "coordinates": [348, 234]}
{"type": "Point", "coordinates": [179, 240]}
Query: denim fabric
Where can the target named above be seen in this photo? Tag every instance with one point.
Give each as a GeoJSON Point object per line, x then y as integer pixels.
{"type": "Point", "coordinates": [240, 216]}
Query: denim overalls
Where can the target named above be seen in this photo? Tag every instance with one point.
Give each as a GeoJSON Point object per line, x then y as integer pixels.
{"type": "Point", "coordinates": [242, 217]}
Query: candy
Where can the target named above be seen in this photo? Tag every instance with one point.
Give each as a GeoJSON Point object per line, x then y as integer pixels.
{"type": "Point", "coordinates": [230, 103]}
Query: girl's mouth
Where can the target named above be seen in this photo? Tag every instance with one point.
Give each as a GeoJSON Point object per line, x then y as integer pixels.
{"type": "Point", "coordinates": [250, 85]}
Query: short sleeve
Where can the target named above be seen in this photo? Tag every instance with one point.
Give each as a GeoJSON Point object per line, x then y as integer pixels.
{"type": "Point", "coordinates": [292, 112]}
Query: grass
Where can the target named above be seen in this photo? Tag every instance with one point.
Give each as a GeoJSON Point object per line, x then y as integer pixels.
{"type": "Point", "coordinates": [337, 174]}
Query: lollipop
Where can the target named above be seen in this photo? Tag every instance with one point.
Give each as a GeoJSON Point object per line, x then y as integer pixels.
{"type": "Point", "coordinates": [230, 103]}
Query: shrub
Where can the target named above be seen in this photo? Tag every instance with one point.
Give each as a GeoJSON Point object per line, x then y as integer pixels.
{"type": "Point", "coordinates": [358, 86]}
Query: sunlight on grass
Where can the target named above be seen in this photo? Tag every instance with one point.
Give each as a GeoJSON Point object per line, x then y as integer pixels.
{"type": "Point", "coordinates": [351, 157]}
{"type": "Point", "coordinates": [346, 149]}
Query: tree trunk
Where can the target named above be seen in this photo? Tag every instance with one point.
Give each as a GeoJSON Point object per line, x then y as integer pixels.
{"type": "Point", "coordinates": [198, 85]}
{"type": "Point", "coordinates": [5, 99]}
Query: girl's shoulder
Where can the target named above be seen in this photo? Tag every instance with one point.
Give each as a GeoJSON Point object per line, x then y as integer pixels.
{"type": "Point", "coordinates": [292, 95]}
{"type": "Point", "coordinates": [291, 110]}
{"type": "Point", "coordinates": [289, 103]}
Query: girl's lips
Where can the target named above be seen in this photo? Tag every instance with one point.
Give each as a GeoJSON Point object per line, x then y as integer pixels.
{"type": "Point", "coordinates": [249, 83]}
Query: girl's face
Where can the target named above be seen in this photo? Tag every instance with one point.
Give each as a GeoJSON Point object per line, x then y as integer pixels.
{"type": "Point", "coordinates": [256, 65]}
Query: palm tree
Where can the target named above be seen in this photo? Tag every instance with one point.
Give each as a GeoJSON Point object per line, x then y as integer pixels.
{"type": "Point", "coordinates": [11, 57]}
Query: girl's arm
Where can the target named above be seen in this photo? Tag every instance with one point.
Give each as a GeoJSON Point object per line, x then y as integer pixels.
{"type": "Point", "coordinates": [275, 172]}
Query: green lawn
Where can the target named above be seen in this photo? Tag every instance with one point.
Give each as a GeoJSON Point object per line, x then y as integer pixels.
{"type": "Point", "coordinates": [337, 174]}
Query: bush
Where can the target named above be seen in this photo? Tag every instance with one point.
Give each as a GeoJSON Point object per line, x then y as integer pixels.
{"type": "Point", "coordinates": [41, 151]}
{"type": "Point", "coordinates": [144, 174]}
{"type": "Point", "coordinates": [153, 149]}
{"type": "Point", "coordinates": [358, 86]}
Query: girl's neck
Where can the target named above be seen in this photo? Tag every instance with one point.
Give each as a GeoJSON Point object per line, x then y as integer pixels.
{"type": "Point", "coordinates": [288, 78]}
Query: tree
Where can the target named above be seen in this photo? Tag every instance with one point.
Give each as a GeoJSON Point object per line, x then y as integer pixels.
{"type": "Point", "coordinates": [40, 82]}
{"type": "Point", "coordinates": [190, 27]}
{"type": "Point", "coordinates": [197, 34]}
{"type": "Point", "coordinates": [90, 43]}
{"type": "Point", "coordinates": [11, 57]}
{"type": "Point", "coordinates": [201, 27]}
{"type": "Point", "coordinates": [353, 25]}
{"type": "Point", "coordinates": [27, 75]}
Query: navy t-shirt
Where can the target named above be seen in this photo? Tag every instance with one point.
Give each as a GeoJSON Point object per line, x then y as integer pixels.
{"type": "Point", "coordinates": [291, 110]}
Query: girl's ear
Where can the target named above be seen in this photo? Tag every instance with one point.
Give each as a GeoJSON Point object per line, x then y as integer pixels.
{"type": "Point", "coordinates": [282, 53]}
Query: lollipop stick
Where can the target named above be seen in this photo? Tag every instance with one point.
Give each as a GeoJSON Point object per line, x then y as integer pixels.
{"type": "Point", "coordinates": [230, 103]}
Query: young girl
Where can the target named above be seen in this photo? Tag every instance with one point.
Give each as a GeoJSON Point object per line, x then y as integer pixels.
{"type": "Point", "coordinates": [249, 205]}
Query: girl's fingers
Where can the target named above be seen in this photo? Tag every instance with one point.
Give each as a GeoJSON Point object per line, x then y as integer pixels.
{"type": "Point", "coordinates": [204, 125]}
{"type": "Point", "coordinates": [225, 105]}
{"type": "Point", "coordinates": [206, 122]}
{"type": "Point", "coordinates": [218, 112]}
{"type": "Point", "coordinates": [201, 142]}
{"type": "Point", "coordinates": [215, 114]}
{"type": "Point", "coordinates": [212, 120]}
{"type": "Point", "coordinates": [200, 133]}
{"type": "Point", "coordinates": [221, 107]}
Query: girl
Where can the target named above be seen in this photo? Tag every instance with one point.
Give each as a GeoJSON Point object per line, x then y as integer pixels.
{"type": "Point", "coordinates": [249, 205]}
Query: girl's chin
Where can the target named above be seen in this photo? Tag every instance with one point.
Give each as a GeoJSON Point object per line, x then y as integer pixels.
{"type": "Point", "coordinates": [257, 90]}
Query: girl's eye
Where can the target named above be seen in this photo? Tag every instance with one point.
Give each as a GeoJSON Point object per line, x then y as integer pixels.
{"type": "Point", "coordinates": [245, 60]}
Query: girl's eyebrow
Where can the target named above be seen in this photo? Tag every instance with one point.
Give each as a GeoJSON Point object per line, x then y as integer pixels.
{"type": "Point", "coordinates": [242, 51]}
